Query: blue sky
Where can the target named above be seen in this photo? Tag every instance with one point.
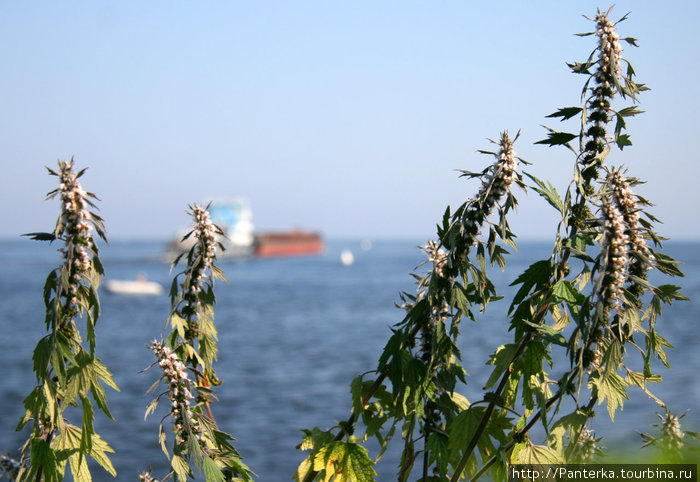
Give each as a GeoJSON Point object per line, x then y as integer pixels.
{"type": "Point", "coordinates": [346, 117]}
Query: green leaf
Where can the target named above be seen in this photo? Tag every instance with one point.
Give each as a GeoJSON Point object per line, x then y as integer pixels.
{"type": "Point", "coordinates": [566, 112]}
{"type": "Point", "coordinates": [549, 334]}
{"type": "Point", "coordinates": [437, 447]}
{"type": "Point", "coordinates": [548, 192]}
{"type": "Point", "coordinates": [344, 462]}
{"type": "Point", "coordinates": [558, 138]}
{"type": "Point", "coordinates": [314, 439]}
{"type": "Point", "coordinates": [42, 456]}
{"type": "Point", "coordinates": [103, 374]}
{"type": "Point", "coordinates": [581, 67]}
{"type": "Point", "coordinates": [623, 140]}
{"type": "Point", "coordinates": [87, 430]}
{"type": "Point", "coordinates": [535, 275]}
{"type": "Point", "coordinates": [501, 360]}
{"type": "Point", "coordinates": [538, 455]}
{"type": "Point", "coordinates": [180, 467]}
{"type": "Point", "coordinates": [572, 423]}
{"type": "Point", "coordinates": [41, 357]}
{"type": "Point", "coordinates": [563, 291]}
{"type": "Point", "coordinates": [629, 111]}
{"type": "Point", "coordinates": [668, 293]}
{"type": "Point", "coordinates": [305, 467]}
{"type": "Point", "coordinates": [212, 472]}
{"type": "Point", "coordinates": [640, 380]}
{"type": "Point", "coordinates": [458, 298]}
{"type": "Point", "coordinates": [611, 388]}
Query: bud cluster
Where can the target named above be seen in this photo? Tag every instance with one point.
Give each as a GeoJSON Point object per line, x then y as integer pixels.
{"type": "Point", "coordinates": [605, 78]}
{"type": "Point", "coordinates": [205, 233]}
{"type": "Point", "coordinates": [74, 226]}
{"type": "Point", "coordinates": [178, 382]}
{"type": "Point", "coordinates": [627, 203]}
{"type": "Point", "coordinates": [437, 256]}
{"type": "Point", "coordinates": [615, 245]}
{"type": "Point", "coordinates": [609, 46]}
{"type": "Point", "coordinates": [502, 174]}
{"type": "Point", "coordinates": [671, 431]}
{"type": "Point", "coordinates": [586, 446]}
{"type": "Point", "coordinates": [146, 476]}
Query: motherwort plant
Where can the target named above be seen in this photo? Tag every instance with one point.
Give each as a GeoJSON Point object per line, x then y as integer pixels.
{"type": "Point", "coordinates": [583, 312]}
{"type": "Point", "coordinates": [584, 323]}
{"type": "Point", "coordinates": [186, 359]}
{"type": "Point", "coordinates": [67, 373]}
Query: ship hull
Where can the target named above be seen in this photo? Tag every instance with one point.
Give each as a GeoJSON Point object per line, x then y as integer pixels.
{"type": "Point", "coordinates": [292, 243]}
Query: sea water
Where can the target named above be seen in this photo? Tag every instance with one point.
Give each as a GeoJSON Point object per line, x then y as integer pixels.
{"type": "Point", "coordinates": [293, 332]}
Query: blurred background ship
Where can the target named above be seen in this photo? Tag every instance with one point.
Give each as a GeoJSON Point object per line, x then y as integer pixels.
{"type": "Point", "coordinates": [235, 219]}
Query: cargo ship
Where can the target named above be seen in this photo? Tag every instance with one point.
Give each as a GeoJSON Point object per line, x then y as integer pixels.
{"type": "Point", "coordinates": [288, 243]}
{"type": "Point", "coordinates": [234, 217]}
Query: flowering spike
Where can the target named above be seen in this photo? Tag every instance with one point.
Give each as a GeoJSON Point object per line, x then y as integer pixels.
{"type": "Point", "coordinates": [627, 203]}
{"type": "Point", "coordinates": [180, 389]}
{"type": "Point", "coordinates": [615, 247]}
{"type": "Point", "coordinates": [501, 175]}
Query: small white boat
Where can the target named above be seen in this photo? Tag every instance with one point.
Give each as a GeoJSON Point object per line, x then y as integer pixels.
{"type": "Point", "coordinates": [138, 286]}
{"type": "Point", "coordinates": [346, 257]}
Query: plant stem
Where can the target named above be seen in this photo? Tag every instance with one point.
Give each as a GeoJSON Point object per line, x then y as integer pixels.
{"type": "Point", "coordinates": [489, 410]}
{"type": "Point", "coordinates": [426, 459]}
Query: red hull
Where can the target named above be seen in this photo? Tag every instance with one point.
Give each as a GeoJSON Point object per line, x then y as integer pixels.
{"type": "Point", "coordinates": [293, 243]}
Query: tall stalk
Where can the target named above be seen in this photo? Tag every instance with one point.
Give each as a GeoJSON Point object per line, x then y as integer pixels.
{"type": "Point", "coordinates": [68, 374]}
{"type": "Point", "coordinates": [191, 348]}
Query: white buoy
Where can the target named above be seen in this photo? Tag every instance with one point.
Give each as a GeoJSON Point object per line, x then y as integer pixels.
{"type": "Point", "coordinates": [346, 257]}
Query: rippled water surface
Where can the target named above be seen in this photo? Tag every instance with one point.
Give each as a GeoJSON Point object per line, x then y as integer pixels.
{"type": "Point", "coordinates": [292, 334]}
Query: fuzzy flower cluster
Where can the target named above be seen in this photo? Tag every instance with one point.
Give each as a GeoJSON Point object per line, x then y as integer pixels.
{"type": "Point", "coordinates": [75, 224]}
{"type": "Point", "coordinates": [437, 256]}
{"type": "Point", "coordinates": [609, 46]}
{"type": "Point", "coordinates": [605, 78]}
{"type": "Point", "coordinates": [586, 446]}
{"type": "Point", "coordinates": [627, 204]}
{"type": "Point", "coordinates": [616, 243]}
{"type": "Point", "coordinates": [671, 431]}
{"type": "Point", "coordinates": [597, 355]}
{"type": "Point", "coordinates": [146, 476]}
{"type": "Point", "coordinates": [179, 384]}
{"type": "Point", "coordinates": [502, 174]}
{"type": "Point", "coordinates": [205, 233]}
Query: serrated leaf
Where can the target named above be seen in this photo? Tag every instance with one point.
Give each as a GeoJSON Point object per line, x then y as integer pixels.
{"type": "Point", "coordinates": [623, 140]}
{"type": "Point", "coordinates": [458, 298]}
{"type": "Point", "coordinates": [43, 457]}
{"type": "Point", "coordinates": [212, 472]}
{"type": "Point", "coordinates": [344, 462]}
{"type": "Point", "coordinates": [640, 380]}
{"type": "Point", "coordinates": [180, 467]}
{"type": "Point", "coordinates": [437, 446]}
{"type": "Point", "coordinates": [563, 291]}
{"type": "Point", "coordinates": [557, 138]}
{"type": "Point", "coordinates": [305, 467]}
{"type": "Point", "coordinates": [611, 388]}
{"type": "Point", "coordinates": [566, 112]}
{"type": "Point", "coordinates": [668, 293]}
{"type": "Point", "coordinates": [538, 455]}
{"type": "Point", "coordinates": [536, 274]}
{"type": "Point", "coordinates": [548, 192]}
{"type": "Point", "coordinates": [501, 360]}
{"type": "Point", "coordinates": [581, 67]}
{"type": "Point", "coordinates": [572, 423]}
